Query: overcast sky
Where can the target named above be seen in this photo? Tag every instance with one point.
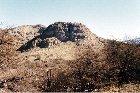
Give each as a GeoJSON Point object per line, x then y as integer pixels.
{"type": "Point", "coordinates": [105, 18]}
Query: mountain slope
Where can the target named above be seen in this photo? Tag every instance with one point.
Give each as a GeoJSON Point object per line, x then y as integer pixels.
{"type": "Point", "coordinates": [63, 32]}
{"type": "Point", "coordinates": [24, 33]}
{"type": "Point", "coordinates": [63, 57]}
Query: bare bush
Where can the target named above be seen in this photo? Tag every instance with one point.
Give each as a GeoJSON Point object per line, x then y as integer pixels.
{"type": "Point", "coordinates": [125, 60]}
{"type": "Point", "coordinates": [7, 49]}
{"type": "Point", "coordinates": [85, 73]}
{"type": "Point", "coordinates": [90, 72]}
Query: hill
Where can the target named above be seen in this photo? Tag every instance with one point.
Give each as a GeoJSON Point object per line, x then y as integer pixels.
{"type": "Point", "coordinates": [63, 32]}
{"type": "Point", "coordinates": [24, 33]}
{"type": "Point", "coordinates": [63, 57]}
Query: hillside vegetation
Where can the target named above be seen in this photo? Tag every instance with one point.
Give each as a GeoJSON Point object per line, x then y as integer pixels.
{"type": "Point", "coordinates": [89, 64]}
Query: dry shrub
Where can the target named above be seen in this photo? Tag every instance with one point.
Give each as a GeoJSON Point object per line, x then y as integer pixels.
{"type": "Point", "coordinates": [85, 73]}
{"type": "Point", "coordinates": [7, 56]}
{"type": "Point", "coordinates": [125, 60]}
{"type": "Point", "coordinates": [7, 49]}
{"type": "Point", "coordinates": [90, 72]}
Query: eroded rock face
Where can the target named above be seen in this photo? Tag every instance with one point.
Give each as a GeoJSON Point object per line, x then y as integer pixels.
{"type": "Point", "coordinates": [65, 31]}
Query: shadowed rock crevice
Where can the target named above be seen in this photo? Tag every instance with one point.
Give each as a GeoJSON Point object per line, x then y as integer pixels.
{"type": "Point", "coordinates": [56, 33]}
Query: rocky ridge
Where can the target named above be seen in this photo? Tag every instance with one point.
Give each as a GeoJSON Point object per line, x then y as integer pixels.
{"type": "Point", "coordinates": [63, 32]}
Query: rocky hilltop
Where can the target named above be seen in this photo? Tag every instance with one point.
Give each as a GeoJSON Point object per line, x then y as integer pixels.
{"type": "Point", "coordinates": [62, 32]}
{"type": "Point", "coordinates": [65, 31]}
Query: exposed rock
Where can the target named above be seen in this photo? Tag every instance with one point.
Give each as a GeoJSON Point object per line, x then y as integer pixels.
{"type": "Point", "coordinates": [62, 32]}
{"type": "Point", "coordinates": [46, 42]}
{"type": "Point", "coordinates": [39, 42]}
{"type": "Point", "coordinates": [65, 31]}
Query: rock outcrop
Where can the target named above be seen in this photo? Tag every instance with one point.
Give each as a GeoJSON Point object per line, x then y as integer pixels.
{"type": "Point", "coordinates": [62, 32]}
{"type": "Point", "coordinates": [65, 31]}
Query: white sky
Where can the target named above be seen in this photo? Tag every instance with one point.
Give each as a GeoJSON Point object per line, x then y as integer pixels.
{"type": "Point", "coordinates": [105, 18]}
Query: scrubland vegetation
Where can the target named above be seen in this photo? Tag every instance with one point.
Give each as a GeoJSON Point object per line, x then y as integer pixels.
{"type": "Point", "coordinates": [118, 70]}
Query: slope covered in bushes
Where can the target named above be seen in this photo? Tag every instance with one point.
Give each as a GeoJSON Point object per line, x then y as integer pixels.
{"type": "Point", "coordinates": [90, 72]}
{"type": "Point", "coordinates": [68, 66]}
{"type": "Point", "coordinates": [125, 60]}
